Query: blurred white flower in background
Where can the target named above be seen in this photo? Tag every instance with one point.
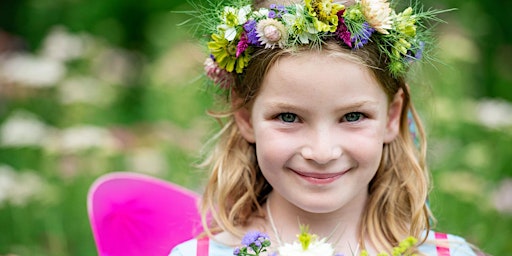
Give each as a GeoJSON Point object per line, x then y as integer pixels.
{"type": "Point", "coordinates": [87, 90]}
{"type": "Point", "coordinates": [23, 128]}
{"type": "Point", "coordinates": [19, 188]}
{"type": "Point", "coordinates": [62, 46]}
{"type": "Point", "coordinates": [502, 196]}
{"type": "Point", "coordinates": [147, 160]}
{"type": "Point", "coordinates": [494, 113]}
{"type": "Point", "coordinates": [79, 138]}
{"type": "Point", "coordinates": [7, 180]}
{"type": "Point", "coordinates": [30, 70]}
{"type": "Point", "coordinates": [115, 66]}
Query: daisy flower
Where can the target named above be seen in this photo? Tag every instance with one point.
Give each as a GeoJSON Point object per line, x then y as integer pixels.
{"type": "Point", "coordinates": [378, 14]}
{"type": "Point", "coordinates": [231, 18]}
{"type": "Point", "coordinates": [271, 33]}
{"type": "Point", "coordinates": [308, 245]}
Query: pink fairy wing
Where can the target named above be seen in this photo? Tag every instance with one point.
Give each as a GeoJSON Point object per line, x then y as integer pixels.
{"type": "Point", "coordinates": [135, 214]}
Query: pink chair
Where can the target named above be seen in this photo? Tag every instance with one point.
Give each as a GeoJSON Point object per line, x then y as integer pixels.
{"type": "Point", "coordinates": [135, 214]}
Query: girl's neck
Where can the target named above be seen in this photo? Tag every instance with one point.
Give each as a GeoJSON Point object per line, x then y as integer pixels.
{"type": "Point", "coordinates": [341, 227]}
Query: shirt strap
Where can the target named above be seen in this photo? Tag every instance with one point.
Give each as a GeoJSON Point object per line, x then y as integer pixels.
{"type": "Point", "coordinates": [442, 250]}
{"type": "Point", "coordinates": [203, 245]}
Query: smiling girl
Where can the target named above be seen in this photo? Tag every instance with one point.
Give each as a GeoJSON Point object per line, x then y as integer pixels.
{"type": "Point", "coordinates": [318, 131]}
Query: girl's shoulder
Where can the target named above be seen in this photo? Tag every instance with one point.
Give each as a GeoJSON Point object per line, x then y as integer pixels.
{"type": "Point", "coordinates": [201, 247]}
{"type": "Point", "coordinates": [442, 244]}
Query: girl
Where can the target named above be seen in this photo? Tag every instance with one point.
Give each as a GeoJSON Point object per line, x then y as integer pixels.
{"type": "Point", "coordinates": [317, 131]}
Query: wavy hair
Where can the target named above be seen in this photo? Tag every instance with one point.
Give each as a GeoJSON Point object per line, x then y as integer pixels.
{"type": "Point", "coordinates": [236, 189]}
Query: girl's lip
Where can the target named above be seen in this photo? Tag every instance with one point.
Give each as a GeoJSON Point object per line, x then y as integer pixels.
{"type": "Point", "coordinates": [320, 178]}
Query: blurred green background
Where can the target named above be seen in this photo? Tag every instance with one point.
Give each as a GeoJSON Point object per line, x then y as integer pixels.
{"type": "Point", "coordinates": [90, 87]}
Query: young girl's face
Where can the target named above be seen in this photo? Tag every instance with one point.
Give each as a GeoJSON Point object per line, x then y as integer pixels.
{"type": "Point", "coordinates": [319, 124]}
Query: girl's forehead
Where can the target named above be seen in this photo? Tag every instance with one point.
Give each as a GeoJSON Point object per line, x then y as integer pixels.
{"type": "Point", "coordinates": [319, 70]}
{"type": "Point", "coordinates": [321, 64]}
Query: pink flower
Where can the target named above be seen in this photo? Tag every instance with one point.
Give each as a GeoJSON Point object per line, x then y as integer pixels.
{"type": "Point", "coordinates": [219, 76]}
{"type": "Point", "coordinates": [242, 44]}
{"type": "Point", "coordinates": [342, 30]}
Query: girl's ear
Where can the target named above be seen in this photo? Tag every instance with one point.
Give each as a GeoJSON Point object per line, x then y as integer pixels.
{"type": "Point", "coordinates": [394, 116]}
{"type": "Point", "coordinates": [243, 120]}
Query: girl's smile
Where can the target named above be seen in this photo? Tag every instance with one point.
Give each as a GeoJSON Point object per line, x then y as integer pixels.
{"type": "Point", "coordinates": [319, 178]}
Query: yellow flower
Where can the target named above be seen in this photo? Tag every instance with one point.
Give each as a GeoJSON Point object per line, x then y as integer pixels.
{"type": "Point", "coordinates": [400, 47]}
{"type": "Point", "coordinates": [324, 13]}
{"type": "Point", "coordinates": [305, 238]}
{"type": "Point", "coordinates": [405, 23]}
{"type": "Point", "coordinates": [308, 244]}
{"type": "Point", "coordinates": [224, 53]}
{"type": "Point", "coordinates": [378, 14]}
{"type": "Point", "coordinates": [299, 25]}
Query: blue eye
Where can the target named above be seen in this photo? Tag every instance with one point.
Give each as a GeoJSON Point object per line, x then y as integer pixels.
{"type": "Point", "coordinates": [287, 117]}
{"type": "Point", "coordinates": [353, 117]}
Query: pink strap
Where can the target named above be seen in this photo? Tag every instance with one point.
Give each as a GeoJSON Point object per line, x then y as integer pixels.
{"type": "Point", "coordinates": [203, 245]}
{"type": "Point", "coordinates": [442, 250]}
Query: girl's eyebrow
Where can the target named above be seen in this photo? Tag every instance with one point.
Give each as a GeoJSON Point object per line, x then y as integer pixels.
{"type": "Point", "coordinates": [298, 107]}
{"type": "Point", "coordinates": [353, 104]}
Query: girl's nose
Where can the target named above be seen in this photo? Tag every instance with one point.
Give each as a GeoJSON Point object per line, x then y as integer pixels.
{"type": "Point", "coordinates": [321, 148]}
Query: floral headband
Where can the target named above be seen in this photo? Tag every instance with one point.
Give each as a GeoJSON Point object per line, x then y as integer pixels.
{"type": "Point", "coordinates": [239, 30]}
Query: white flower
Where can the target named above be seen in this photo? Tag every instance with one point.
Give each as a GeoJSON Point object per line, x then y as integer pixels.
{"type": "Point", "coordinates": [19, 188]}
{"type": "Point", "coordinates": [261, 13]}
{"type": "Point", "coordinates": [23, 129]}
{"type": "Point", "coordinates": [79, 138]}
{"type": "Point", "coordinates": [502, 197]}
{"type": "Point", "coordinates": [378, 14]}
{"type": "Point", "coordinates": [232, 17]}
{"type": "Point", "coordinates": [32, 71]}
{"type": "Point", "coordinates": [63, 46]}
{"type": "Point", "coordinates": [317, 247]}
{"type": "Point", "coordinates": [147, 160]}
{"type": "Point", "coordinates": [84, 89]}
{"type": "Point", "coordinates": [494, 113]}
{"type": "Point", "coordinates": [271, 33]}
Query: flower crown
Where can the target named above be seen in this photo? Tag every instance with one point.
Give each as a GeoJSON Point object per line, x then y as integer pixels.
{"type": "Point", "coordinates": [239, 31]}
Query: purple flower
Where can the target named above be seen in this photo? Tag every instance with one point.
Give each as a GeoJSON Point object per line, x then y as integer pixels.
{"type": "Point", "coordinates": [419, 52]}
{"type": "Point", "coordinates": [236, 251]}
{"type": "Point", "coordinates": [342, 30]}
{"type": "Point", "coordinates": [276, 11]}
{"type": "Point", "coordinates": [252, 33]}
{"type": "Point", "coordinates": [362, 36]}
{"type": "Point", "coordinates": [253, 237]}
{"type": "Point", "coordinates": [416, 53]}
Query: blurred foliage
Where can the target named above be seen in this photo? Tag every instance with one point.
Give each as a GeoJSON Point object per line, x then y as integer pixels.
{"type": "Point", "coordinates": [89, 87]}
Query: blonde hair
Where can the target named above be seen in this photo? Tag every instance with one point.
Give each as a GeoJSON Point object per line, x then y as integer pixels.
{"type": "Point", "coordinates": [236, 189]}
